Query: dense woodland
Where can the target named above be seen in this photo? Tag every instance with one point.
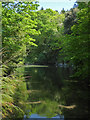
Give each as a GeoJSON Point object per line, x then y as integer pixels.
{"type": "Point", "coordinates": [41, 37]}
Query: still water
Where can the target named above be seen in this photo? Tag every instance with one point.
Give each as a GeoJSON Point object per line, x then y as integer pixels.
{"type": "Point", "coordinates": [53, 94]}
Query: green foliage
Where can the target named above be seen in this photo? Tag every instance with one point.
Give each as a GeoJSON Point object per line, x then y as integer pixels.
{"type": "Point", "coordinates": [50, 24]}
{"type": "Point", "coordinates": [13, 92]}
{"type": "Point", "coordinates": [70, 20]}
{"type": "Point", "coordinates": [41, 37]}
{"type": "Point", "coordinates": [49, 108]}
{"type": "Point", "coordinates": [75, 46]}
{"type": "Point", "coordinates": [18, 26]}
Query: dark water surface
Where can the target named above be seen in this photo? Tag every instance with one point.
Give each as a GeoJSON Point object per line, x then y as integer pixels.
{"type": "Point", "coordinates": [51, 93]}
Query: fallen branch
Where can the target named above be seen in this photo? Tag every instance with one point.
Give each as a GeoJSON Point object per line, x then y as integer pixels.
{"type": "Point", "coordinates": [37, 102]}
{"type": "Point", "coordinates": [68, 107]}
{"type": "Point", "coordinates": [27, 76]}
{"type": "Point", "coordinates": [30, 91]}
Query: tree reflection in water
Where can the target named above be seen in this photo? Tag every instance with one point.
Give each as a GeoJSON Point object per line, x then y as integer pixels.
{"type": "Point", "coordinates": [51, 92]}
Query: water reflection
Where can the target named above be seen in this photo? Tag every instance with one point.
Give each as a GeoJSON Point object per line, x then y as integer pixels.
{"type": "Point", "coordinates": [52, 93]}
{"type": "Point", "coordinates": [61, 117]}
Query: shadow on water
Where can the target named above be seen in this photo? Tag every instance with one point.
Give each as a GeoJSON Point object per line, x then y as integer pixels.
{"type": "Point", "coordinates": [52, 93]}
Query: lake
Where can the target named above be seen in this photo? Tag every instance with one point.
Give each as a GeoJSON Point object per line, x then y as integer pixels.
{"type": "Point", "coordinates": [52, 93]}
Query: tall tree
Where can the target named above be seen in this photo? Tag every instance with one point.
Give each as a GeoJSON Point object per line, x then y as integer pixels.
{"type": "Point", "coordinates": [17, 28]}
{"type": "Point", "coordinates": [50, 24]}
{"type": "Point", "coordinates": [70, 20]}
{"type": "Point", "coordinates": [76, 45]}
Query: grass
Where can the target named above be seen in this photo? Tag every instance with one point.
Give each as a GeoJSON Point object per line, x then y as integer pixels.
{"type": "Point", "coordinates": [13, 90]}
